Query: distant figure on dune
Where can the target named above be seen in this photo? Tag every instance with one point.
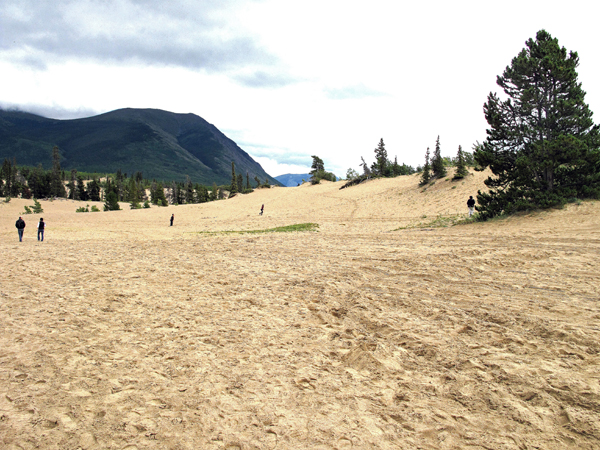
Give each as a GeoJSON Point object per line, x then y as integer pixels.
{"type": "Point", "coordinates": [262, 208]}
{"type": "Point", "coordinates": [471, 205]}
{"type": "Point", "coordinates": [20, 224]}
{"type": "Point", "coordinates": [41, 227]}
{"type": "Point", "coordinates": [172, 219]}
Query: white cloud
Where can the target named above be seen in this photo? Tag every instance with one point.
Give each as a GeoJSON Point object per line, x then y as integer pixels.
{"type": "Point", "coordinates": [287, 80]}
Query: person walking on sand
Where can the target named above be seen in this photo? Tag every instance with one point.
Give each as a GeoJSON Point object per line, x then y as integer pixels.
{"type": "Point", "coordinates": [262, 209]}
{"type": "Point", "coordinates": [172, 219]}
{"type": "Point", "coordinates": [471, 205]}
{"type": "Point", "coordinates": [20, 224]}
{"type": "Point", "coordinates": [41, 227]}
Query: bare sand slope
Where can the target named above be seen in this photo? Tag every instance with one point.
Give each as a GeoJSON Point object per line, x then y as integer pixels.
{"type": "Point", "coordinates": [120, 332]}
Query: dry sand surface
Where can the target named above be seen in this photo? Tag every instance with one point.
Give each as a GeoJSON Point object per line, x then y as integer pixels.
{"type": "Point", "coordinates": [120, 332]}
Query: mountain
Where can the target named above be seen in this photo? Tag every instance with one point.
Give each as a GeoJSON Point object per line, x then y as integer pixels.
{"type": "Point", "coordinates": [291, 179]}
{"type": "Point", "coordinates": [160, 144]}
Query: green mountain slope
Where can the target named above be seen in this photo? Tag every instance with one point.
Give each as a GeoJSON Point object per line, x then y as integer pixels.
{"type": "Point", "coordinates": [160, 144]}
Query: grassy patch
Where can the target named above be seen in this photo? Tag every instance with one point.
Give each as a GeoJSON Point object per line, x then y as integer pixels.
{"type": "Point", "coordinates": [284, 229]}
{"type": "Point", "coordinates": [441, 221]}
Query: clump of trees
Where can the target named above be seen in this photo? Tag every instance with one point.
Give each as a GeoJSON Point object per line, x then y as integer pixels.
{"type": "Point", "coordinates": [318, 171]}
{"type": "Point", "coordinates": [542, 145]}
{"type": "Point", "coordinates": [435, 166]}
{"type": "Point", "coordinates": [381, 167]}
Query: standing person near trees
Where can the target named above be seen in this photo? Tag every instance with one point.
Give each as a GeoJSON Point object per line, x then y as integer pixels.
{"type": "Point", "coordinates": [471, 205]}
{"type": "Point", "coordinates": [20, 224]}
{"type": "Point", "coordinates": [41, 227]}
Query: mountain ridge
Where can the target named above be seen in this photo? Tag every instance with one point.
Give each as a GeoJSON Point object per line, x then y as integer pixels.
{"type": "Point", "coordinates": [160, 144]}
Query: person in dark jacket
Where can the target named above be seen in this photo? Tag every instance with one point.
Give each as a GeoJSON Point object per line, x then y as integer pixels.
{"type": "Point", "coordinates": [262, 209]}
{"type": "Point", "coordinates": [20, 224]}
{"type": "Point", "coordinates": [41, 227]}
{"type": "Point", "coordinates": [172, 219]}
{"type": "Point", "coordinates": [471, 205]}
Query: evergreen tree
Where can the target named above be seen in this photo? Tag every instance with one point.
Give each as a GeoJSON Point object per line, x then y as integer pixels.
{"type": "Point", "coordinates": [57, 189]}
{"type": "Point", "coordinates": [159, 195]}
{"type": "Point", "coordinates": [461, 166]}
{"type": "Point", "coordinates": [381, 160]}
{"type": "Point", "coordinates": [7, 175]}
{"type": "Point", "coordinates": [201, 193]}
{"type": "Point", "coordinates": [542, 145]}
{"type": "Point", "coordinates": [248, 187]}
{"type": "Point", "coordinates": [82, 194]}
{"type": "Point", "coordinates": [318, 170]}
{"type": "Point", "coordinates": [257, 181]}
{"type": "Point", "coordinates": [72, 186]}
{"type": "Point", "coordinates": [234, 187]}
{"type": "Point", "coordinates": [351, 174]}
{"type": "Point", "coordinates": [366, 170]}
{"type": "Point", "coordinates": [112, 202]}
{"type": "Point", "coordinates": [189, 190]}
{"type": "Point", "coordinates": [180, 193]}
{"type": "Point", "coordinates": [214, 193]}
{"type": "Point", "coordinates": [94, 190]}
{"type": "Point", "coordinates": [437, 162]}
{"type": "Point", "coordinates": [240, 182]}
{"type": "Point", "coordinates": [15, 186]}
{"type": "Point", "coordinates": [426, 176]}
{"type": "Point", "coordinates": [112, 199]}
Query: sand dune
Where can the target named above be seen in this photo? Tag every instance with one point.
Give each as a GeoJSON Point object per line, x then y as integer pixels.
{"type": "Point", "coordinates": [378, 331]}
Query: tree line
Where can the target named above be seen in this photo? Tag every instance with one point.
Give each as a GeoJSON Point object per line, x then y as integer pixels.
{"type": "Point", "coordinates": [27, 182]}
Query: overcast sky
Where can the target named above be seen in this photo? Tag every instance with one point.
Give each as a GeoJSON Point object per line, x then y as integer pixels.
{"type": "Point", "coordinates": [287, 79]}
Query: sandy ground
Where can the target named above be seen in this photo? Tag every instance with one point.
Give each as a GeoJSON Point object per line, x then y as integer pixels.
{"type": "Point", "coordinates": [120, 332]}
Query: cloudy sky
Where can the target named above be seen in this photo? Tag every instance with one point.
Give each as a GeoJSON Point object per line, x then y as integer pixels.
{"type": "Point", "coordinates": [287, 79]}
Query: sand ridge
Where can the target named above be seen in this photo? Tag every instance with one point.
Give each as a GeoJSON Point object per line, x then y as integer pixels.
{"type": "Point", "coordinates": [121, 332]}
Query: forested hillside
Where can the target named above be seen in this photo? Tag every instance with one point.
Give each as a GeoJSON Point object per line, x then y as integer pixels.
{"type": "Point", "coordinates": [160, 144]}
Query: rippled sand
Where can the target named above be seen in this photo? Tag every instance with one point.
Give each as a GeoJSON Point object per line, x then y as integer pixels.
{"type": "Point", "coordinates": [378, 331]}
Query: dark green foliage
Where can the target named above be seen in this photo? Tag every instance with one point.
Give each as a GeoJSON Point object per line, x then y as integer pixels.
{"type": "Point", "coordinates": [257, 182]}
{"type": "Point", "coordinates": [214, 193]}
{"type": "Point", "coordinates": [351, 174]}
{"type": "Point", "coordinates": [437, 162]}
{"type": "Point", "coordinates": [426, 175]}
{"type": "Point", "coordinates": [111, 202]}
{"type": "Point", "coordinates": [201, 195]}
{"type": "Point", "coordinates": [94, 190]}
{"type": "Point", "coordinates": [381, 164]}
{"type": "Point", "coordinates": [57, 188]}
{"type": "Point", "coordinates": [382, 167]}
{"type": "Point", "coordinates": [71, 185]}
{"type": "Point", "coordinates": [542, 145]}
{"type": "Point", "coordinates": [234, 187]}
{"type": "Point", "coordinates": [157, 194]}
{"type": "Point", "coordinates": [81, 191]}
{"type": "Point", "coordinates": [240, 182]}
{"type": "Point", "coordinates": [161, 144]}
{"type": "Point", "coordinates": [461, 165]}
{"type": "Point", "coordinates": [318, 172]}
{"type": "Point", "coordinates": [37, 207]}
